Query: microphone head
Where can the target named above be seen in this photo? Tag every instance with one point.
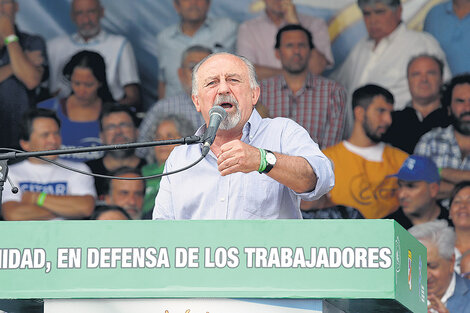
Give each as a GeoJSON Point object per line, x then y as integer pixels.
{"type": "Point", "coordinates": [218, 110]}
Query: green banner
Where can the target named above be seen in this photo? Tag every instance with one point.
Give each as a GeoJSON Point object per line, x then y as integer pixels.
{"type": "Point", "coordinates": [323, 259]}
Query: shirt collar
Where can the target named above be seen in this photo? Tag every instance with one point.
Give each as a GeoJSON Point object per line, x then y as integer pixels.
{"type": "Point", "coordinates": [252, 126]}
{"type": "Point", "coordinates": [178, 32]}
{"type": "Point", "coordinates": [97, 39]}
{"type": "Point", "coordinates": [450, 290]}
{"type": "Point", "coordinates": [391, 37]}
{"type": "Point", "coordinates": [449, 7]}
{"type": "Point", "coordinates": [449, 133]}
{"type": "Point", "coordinates": [282, 84]}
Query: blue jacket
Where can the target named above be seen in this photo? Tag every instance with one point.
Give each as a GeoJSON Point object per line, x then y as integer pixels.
{"type": "Point", "coordinates": [460, 300]}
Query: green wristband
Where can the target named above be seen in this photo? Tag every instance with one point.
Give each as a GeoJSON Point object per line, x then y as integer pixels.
{"type": "Point", "coordinates": [10, 38]}
{"type": "Point", "coordinates": [262, 163]}
{"type": "Point", "coordinates": [439, 170]}
{"type": "Point", "coordinates": [41, 198]}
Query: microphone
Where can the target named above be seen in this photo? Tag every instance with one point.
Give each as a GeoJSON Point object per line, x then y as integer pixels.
{"type": "Point", "coordinates": [217, 114]}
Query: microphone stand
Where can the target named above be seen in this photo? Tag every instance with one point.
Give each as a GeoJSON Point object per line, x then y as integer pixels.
{"type": "Point", "coordinates": [4, 157]}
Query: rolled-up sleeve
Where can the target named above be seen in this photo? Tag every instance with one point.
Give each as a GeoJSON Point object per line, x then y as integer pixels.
{"type": "Point", "coordinates": [297, 142]}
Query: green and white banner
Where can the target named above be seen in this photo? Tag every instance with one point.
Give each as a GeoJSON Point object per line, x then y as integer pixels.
{"type": "Point", "coordinates": [312, 259]}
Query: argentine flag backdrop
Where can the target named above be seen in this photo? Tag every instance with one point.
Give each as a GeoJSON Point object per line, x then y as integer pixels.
{"type": "Point", "coordinates": [140, 21]}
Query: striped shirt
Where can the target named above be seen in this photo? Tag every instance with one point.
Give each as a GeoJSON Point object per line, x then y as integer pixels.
{"type": "Point", "coordinates": [319, 106]}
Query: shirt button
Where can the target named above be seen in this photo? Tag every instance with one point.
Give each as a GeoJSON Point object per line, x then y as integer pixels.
{"type": "Point", "coordinates": [222, 199]}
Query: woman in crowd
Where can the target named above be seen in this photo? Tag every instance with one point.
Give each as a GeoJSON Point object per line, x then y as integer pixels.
{"type": "Point", "coordinates": [168, 127]}
{"type": "Point", "coordinates": [460, 215]}
{"type": "Point", "coordinates": [80, 111]}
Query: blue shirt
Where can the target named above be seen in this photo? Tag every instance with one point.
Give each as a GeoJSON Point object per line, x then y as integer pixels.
{"type": "Point", "coordinates": [202, 193]}
{"type": "Point", "coordinates": [452, 34]}
{"type": "Point", "coordinates": [75, 134]}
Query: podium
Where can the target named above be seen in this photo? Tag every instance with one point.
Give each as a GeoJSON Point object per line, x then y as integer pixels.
{"type": "Point", "coordinates": [351, 265]}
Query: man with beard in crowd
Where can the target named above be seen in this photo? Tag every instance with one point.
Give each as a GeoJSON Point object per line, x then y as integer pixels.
{"type": "Point", "coordinates": [363, 162]}
{"type": "Point", "coordinates": [118, 126]}
{"type": "Point", "coordinates": [450, 147]}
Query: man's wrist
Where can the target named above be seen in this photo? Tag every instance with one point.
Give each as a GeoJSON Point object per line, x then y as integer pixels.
{"type": "Point", "coordinates": [41, 199]}
{"type": "Point", "coordinates": [262, 163]}
{"type": "Point", "coordinates": [10, 38]}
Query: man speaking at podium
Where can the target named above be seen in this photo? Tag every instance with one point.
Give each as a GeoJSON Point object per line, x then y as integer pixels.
{"type": "Point", "coordinates": [256, 168]}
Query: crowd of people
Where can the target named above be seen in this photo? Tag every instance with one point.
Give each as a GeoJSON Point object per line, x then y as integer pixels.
{"type": "Point", "coordinates": [385, 135]}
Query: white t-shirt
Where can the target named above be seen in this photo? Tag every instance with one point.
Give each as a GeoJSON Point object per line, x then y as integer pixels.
{"type": "Point", "coordinates": [373, 153]}
{"type": "Point", "coordinates": [49, 178]}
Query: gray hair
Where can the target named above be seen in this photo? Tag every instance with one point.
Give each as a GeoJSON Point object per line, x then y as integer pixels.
{"type": "Point", "coordinates": [438, 61]}
{"type": "Point", "coordinates": [183, 125]}
{"type": "Point", "coordinates": [393, 4]}
{"type": "Point", "coordinates": [251, 71]}
{"type": "Point", "coordinates": [438, 233]}
{"type": "Point", "coordinates": [195, 48]}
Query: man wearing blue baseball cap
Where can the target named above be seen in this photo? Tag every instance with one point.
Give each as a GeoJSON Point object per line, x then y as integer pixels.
{"type": "Point", "coordinates": [418, 186]}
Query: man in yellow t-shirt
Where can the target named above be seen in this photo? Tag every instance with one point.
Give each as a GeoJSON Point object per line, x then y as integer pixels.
{"type": "Point", "coordinates": [363, 162]}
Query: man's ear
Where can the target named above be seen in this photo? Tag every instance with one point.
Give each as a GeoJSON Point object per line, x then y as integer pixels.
{"type": "Point", "coordinates": [399, 11]}
{"type": "Point", "coordinates": [17, 7]}
{"type": "Point", "coordinates": [255, 92]}
{"type": "Point", "coordinates": [101, 11]}
{"type": "Point", "coordinates": [359, 113]}
{"type": "Point", "coordinates": [107, 199]}
{"type": "Point", "coordinates": [434, 189]}
{"type": "Point", "coordinates": [196, 103]}
{"type": "Point", "coordinates": [452, 260]}
{"type": "Point", "coordinates": [277, 54]}
{"type": "Point", "coordinates": [180, 74]}
{"type": "Point", "coordinates": [176, 6]}
{"type": "Point", "coordinates": [24, 145]}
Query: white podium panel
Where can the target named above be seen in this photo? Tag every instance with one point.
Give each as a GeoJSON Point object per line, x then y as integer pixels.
{"type": "Point", "coordinates": [209, 305]}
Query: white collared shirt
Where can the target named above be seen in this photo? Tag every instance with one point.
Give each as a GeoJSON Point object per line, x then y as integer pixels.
{"type": "Point", "coordinates": [385, 65]}
{"type": "Point", "coordinates": [200, 192]}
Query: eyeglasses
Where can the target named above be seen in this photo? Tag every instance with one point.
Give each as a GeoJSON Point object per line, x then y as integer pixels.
{"type": "Point", "coordinates": [113, 127]}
